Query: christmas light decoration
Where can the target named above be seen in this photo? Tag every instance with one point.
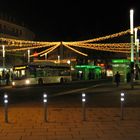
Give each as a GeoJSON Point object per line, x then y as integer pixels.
{"type": "Point", "coordinates": [54, 47]}
{"type": "Point", "coordinates": [74, 49]}
{"type": "Point", "coordinates": [47, 50]}
{"type": "Point", "coordinates": [13, 45]}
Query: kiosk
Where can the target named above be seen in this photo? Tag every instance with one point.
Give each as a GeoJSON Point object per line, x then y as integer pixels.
{"type": "Point", "coordinates": [122, 66]}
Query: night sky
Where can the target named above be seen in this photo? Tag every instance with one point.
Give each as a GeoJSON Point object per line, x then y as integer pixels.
{"type": "Point", "coordinates": [57, 20]}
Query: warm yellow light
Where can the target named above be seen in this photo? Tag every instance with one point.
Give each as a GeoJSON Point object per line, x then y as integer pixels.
{"type": "Point", "coordinates": [27, 82]}
{"type": "Point", "coordinates": [12, 45]}
{"type": "Point", "coordinates": [75, 50]}
{"type": "Point", "coordinates": [131, 21]}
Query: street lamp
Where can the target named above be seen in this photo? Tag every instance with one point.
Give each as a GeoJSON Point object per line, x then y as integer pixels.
{"type": "Point", "coordinates": [136, 45]}
{"type": "Point", "coordinates": [3, 55]}
{"type": "Point", "coordinates": [131, 34]}
{"type": "Point", "coordinates": [135, 30]}
{"type": "Point", "coordinates": [58, 58]}
{"type": "Point", "coordinates": [28, 56]}
{"type": "Point", "coordinates": [137, 52]}
{"type": "Point", "coordinates": [68, 62]}
{"type": "Point", "coordinates": [45, 56]}
{"type": "Point", "coordinates": [132, 46]}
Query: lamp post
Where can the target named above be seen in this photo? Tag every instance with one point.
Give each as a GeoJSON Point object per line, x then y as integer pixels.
{"type": "Point", "coordinates": [3, 56]}
{"type": "Point", "coordinates": [28, 56]}
{"type": "Point", "coordinates": [132, 47]}
{"type": "Point", "coordinates": [69, 62]}
{"type": "Point", "coordinates": [58, 58]}
{"type": "Point", "coordinates": [45, 56]}
{"type": "Point", "coordinates": [137, 51]}
{"type": "Point", "coordinates": [135, 30]}
{"type": "Point", "coordinates": [131, 34]}
{"type": "Point", "coordinates": [136, 45]}
{"type": "Point", "coordinates": [137, 59]}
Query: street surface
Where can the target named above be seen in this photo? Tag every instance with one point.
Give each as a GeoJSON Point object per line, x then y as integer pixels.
{"type": "Point", "coordinates": [98, 94]}
{"type": "Point", "coordinates": [65, 112]}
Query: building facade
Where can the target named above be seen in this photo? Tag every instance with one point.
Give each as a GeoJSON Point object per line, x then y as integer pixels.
{"type": "Point", "coordinates": [12, 30]}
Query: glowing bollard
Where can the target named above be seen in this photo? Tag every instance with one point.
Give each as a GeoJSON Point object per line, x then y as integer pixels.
{"type": "Point", "coordinates": [45, 106]}
{"type": "Point", "coordinates": [6, 107]}
{"type": "Point", "coordinates": [122, 106]}
{"type": "Point", "coordinates": [83, 105]}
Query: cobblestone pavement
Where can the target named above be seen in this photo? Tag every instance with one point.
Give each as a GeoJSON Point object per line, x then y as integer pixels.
{"type": "Point", "coordinates": [27, 123]}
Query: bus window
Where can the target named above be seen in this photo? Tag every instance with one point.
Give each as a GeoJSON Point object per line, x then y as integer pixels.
{"type": "Point", "coordinates": [40, 73]}
{"type": "Point", "coordinates": [19, 74]}
{"type": "Point", "coordinates": [32, 72]}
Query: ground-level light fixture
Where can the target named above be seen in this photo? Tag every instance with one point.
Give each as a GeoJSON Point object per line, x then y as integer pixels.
{"type": "Point", "coordinates": [83, 106]}
{"type": "Point", "coordinates": [5, 98]}
{"type": "Point", "coordinates": [122, 104]}
{"type": "Point", "coordinates": [45, 98]}
{"type": "Point", "coordinates": [45, 106]}
{"type": "Point", "coordinates": [6, 107]}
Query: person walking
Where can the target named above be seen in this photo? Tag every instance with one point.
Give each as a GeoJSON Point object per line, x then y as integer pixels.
{"type": "Point", "coordinates": [7, 76]}
{"type": "Point", "coordinates": [117, 79]}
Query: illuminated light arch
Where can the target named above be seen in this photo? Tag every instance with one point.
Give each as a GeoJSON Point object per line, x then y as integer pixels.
{"type": "Point", "coordinates": [22, 45]}
{"type": "Point", "coordinates": [74, 49]}
{"type": "Point", "coordinates": [125, 46]}
{"type": "Point", "coordinates": [52, 48]}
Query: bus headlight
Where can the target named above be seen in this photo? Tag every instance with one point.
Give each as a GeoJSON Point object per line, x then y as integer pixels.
{"type": "Point", "coordinates": [27, 82]}
{"type": "Point", "coordinates": [13, 83]}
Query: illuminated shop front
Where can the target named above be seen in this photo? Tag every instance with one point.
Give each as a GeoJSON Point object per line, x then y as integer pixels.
{"type": "Point", "coordinates": [88, 72]}
{"type": "Point", "coordinates": [122, 66]}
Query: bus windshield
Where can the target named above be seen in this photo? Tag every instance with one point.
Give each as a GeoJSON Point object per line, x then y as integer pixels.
{"type": "Point", "coordinates": [20, 74]}
{"type": "Point", "coordinates": [28, 72]}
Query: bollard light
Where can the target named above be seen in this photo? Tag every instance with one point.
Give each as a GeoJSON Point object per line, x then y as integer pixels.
{"type": "Point", "coordinates": [45, 106]}
{"type": "Point", "coordinates": [6, 107]}
{"type": "Point", "coordinates": [45, 95]}
{"type": "Point", "coordinates": [5, 98]}
{"type": "Point", "coordinates": [122, 97]}
{"type": "Point", "coordinates": [122, 94]}
{"type": "Point", "coordinates": [83, 100]}
{"type": "Point", "coordinates": [5, 101]}
{"type": "Point", "coordinates": [122, 105]}
{"type": "Point", "coordinates": [83, 97]}
{"type": "Point", "coordinates": [45, 98]}
{"type": "Point", "coordinates": [83, 105]}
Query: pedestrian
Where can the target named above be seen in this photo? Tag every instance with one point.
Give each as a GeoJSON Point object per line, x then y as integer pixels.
{"type": "Point", "coordinates": [7, 77]}
{"type": "Point", "coordinates": [117, 79]}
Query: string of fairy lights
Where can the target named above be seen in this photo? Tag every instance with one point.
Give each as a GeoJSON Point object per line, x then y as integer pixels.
{"type": "Point", "coordinates": [14, 45]}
